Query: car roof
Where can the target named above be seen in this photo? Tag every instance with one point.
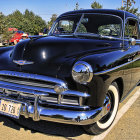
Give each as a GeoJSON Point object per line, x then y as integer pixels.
{"type": "Point", "coordinates": [119, 13]}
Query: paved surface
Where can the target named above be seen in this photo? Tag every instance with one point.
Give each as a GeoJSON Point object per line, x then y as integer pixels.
{"type": "Point", "coordinates": [129, 125]}
{"type": "Point", "coordinates": [128, 128]}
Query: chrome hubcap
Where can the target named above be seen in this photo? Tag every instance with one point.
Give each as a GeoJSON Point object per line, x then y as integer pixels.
{"type": "Point", "coordinates": [108, 106]}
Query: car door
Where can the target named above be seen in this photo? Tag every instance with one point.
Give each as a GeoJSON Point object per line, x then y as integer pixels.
{"type": "Point", "coordinates": [133, 36]}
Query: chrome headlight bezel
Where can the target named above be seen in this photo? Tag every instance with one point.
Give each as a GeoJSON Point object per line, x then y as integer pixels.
{"type": "Point", "coordinates": [82, 72]}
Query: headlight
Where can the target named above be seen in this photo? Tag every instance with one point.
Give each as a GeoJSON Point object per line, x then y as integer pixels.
{"type": "Point", "coordinates": [82, 72]}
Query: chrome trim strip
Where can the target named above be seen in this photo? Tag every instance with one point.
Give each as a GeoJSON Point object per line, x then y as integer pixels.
{"type": "Point", "coordinates": [78, 24]}
{"type": "Point", "coordinates": [26, 89]}
{"type": "Point", "coordinates": [137, 41]}
{"type": "Point", "coordinates": [28, 83]}
{"type": "Point", "coordinates": [71, 106]}
{"type": "Point", "coordinates": [34, 77]}
{"type": "Point", "coordinates": [123, 29]}
{"type": "Point", "coordinates": [36, 111]}
{"type": "Point", "coordinates": [75, 93]}
{"type": "Point", "coordinates": [70, 102]}
{"type": "Point", "coordinates": [117, 67]}
{"type": "Point", "coordinates": [39, 91]}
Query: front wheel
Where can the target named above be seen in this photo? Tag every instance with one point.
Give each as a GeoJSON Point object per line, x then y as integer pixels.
{"type": "Point", "coordinates": [106, 121]}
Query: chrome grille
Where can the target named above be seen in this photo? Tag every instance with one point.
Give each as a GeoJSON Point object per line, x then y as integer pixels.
{"type": "Point", "coordinates": [51, 98]}
{"type": "Point", "coordinates": [29, 82]}
{"type": "Point", "coordinates": [23, 86]}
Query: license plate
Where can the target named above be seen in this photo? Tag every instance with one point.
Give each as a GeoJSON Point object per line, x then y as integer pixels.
{"type": "Point", "coordinates": [10, 108]}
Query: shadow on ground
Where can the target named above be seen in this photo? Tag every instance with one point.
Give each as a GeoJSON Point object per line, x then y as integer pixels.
{"type": "Point", "coordinates": [48, 128]}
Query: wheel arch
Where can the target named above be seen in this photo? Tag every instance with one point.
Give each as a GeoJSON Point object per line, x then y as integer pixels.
{"type": "Point", "coordinates": [120, 85]}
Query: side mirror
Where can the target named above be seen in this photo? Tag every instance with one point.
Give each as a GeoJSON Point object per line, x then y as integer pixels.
{"type": "Point", "coordinates": [132, 41]}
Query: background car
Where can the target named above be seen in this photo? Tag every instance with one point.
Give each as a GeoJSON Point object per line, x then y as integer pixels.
{"type": "Point", "coordinates": [16, 37]}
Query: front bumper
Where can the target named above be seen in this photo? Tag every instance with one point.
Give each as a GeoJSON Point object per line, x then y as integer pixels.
{"type": "Point", "coordinates": [59, 115]}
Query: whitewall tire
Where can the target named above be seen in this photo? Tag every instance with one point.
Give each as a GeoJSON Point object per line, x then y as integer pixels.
{"type": "Point", "coordinates": [106, 121]}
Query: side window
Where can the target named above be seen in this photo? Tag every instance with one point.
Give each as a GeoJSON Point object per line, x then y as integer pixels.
{"type": "Point", "coordinates": [131, 29]}
{"type": "Point", "coordinates": [65, 26]}
{"type": "Point", "coordinates": [110, 30]}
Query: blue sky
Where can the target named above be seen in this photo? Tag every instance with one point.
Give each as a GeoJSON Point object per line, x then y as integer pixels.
{"type": "Point", "coordinates": [45, 8]}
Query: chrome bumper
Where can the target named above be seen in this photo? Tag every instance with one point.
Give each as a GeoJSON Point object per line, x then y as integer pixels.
{"type": "Point", "coordinates": [59, 115]}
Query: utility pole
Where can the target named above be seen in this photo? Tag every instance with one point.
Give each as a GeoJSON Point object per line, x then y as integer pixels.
{"type": "Point", "coordinates": [122, 3]}
{"type": "Point", "coordinates": [128, 3]}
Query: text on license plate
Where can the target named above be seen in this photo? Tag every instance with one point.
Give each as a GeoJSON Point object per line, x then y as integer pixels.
{"type": "Point", "coordinates": [10, 108]}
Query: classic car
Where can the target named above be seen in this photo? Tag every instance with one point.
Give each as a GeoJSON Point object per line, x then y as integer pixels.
{"type": "Point", "coordinates": [78, 74]}
{"type": "Point", "coordinates": [16, 37]}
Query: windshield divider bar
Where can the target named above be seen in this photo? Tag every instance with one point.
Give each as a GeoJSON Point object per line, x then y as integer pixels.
{"type": "Point", "coordinates": [78, 24]}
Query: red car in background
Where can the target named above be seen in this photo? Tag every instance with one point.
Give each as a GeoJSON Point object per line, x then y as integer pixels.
{"type": "Point", "coordinates": [16, 37]}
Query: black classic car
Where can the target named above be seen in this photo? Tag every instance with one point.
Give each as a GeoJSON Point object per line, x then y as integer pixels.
{"type": "Point", "coordinates": [78, 74]}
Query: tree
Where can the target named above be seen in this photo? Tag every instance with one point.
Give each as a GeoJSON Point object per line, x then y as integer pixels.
{"type": "Point", "coordinates": [129, 9]}
{"type": "Point", "coordinates": [128, 3]}
{"type": "Point", "coordinates": [53, 18]}
{"type": "Point", "coordinates": [128, 6]}
{"type": "Point", "coordinates": [27, 22]}
{"type": "Point", "coordinates": [33, 23]}
{"type": "Point", "coordinates": [15, 20]}
{"type": "Point", "coordinates": [96, 5]}
{"type": "Point", "coordinates": [2, 23]}
{"type": "Point", "coordinates": [7, 35]}
{"type": "Point", "coordinates": [77, 6]}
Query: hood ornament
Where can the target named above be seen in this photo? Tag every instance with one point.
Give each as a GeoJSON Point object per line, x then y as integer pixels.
{"type": "Point", "coordinates": [22, 62]}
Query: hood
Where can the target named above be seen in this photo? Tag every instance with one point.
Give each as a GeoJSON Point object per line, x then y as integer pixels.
{"type": "Point", "coordinates": [47, 54]}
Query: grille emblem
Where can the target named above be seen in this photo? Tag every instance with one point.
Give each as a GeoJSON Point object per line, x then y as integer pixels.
{"type": "Point", "coordinates": [22, 62]}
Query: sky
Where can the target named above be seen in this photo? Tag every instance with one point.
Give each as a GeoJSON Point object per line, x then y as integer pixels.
{"type": "Point", "coordinates": [45, 8]}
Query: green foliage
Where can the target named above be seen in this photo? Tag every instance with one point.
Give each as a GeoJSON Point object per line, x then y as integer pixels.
{"type": "Point", "coordinates": [96, 5]}
{"type": "Point", "coordinates": [128, 3]}
{"type": "Point", "coordinates": [2, 23]}
{"type": "Point", "coordinates": [53, 18]}
{"type": "Point", "coordinates": [128, 6]}
{"type": "Point", "coordinates": [27, 22]}
{"type": "Point", "coordinates": [81, 29]}
{"type": "Point", "coordinates": [7, 35]}
{"type": "Point", "coordinates": [15, 20]}
{"type": "Point", "coordinates": [130, 9]}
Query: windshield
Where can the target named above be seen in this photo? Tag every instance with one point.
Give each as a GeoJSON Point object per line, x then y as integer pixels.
{"type": "Point", "coordinates": [88, 24]}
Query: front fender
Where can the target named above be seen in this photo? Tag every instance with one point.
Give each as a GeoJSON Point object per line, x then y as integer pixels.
{"type": "Point", "coordinates": [105, 69]}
